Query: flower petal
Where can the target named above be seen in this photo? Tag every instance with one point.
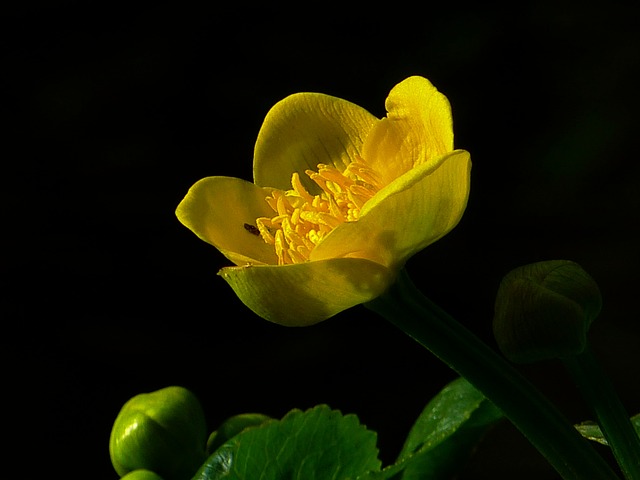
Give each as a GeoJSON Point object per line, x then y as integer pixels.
{"type": "Point", "coordinates": [418, 128]}
{"type": "Point", "coordinates": [306, 129]}
{"type": "Point", "coordinates": [216, 209]}
{"type": "Point", "coordinates": [306, 293]}
{"type": "Point", "coordinates": [404, 217]}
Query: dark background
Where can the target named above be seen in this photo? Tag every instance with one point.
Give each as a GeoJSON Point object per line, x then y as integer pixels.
{"type": "Point", "coordinates": [112, 112]}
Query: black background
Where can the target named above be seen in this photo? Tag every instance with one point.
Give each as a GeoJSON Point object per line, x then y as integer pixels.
{"type": "Point", "coordinates": [113, 111]}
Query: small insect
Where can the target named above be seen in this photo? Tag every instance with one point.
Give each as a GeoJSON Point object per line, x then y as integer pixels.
{"type": "Point", "coordinates": [252, 229]}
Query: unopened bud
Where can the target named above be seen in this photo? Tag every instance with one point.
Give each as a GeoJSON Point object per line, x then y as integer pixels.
{"type": "Point", "coordinates": [141, 475]}
{"type": "Point", "coordinates": [163, 431]}
{"type": "Point", "coordinates": [543, 310]}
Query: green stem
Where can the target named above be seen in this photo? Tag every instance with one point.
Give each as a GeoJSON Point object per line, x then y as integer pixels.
{"type": "Point", "coordinates": [546, 428]}
{"type": "Point", "coordinates": [609, 411]}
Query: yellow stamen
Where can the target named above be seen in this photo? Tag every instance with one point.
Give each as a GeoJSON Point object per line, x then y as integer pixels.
{"type": "Point", "coordinates": [301, 220]}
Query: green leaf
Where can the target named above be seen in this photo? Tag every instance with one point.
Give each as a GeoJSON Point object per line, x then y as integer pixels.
{"type": "Point", "coordinates": [318, 444]}
{"type": "Point", "coordinates": [445, 433]}
{"type": "Point", "coordinates": [591, 430]}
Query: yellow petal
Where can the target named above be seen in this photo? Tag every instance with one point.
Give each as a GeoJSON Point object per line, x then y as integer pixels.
{"type": "Point", "coordinates": [418, 129]}
{"type": "Point", "coordinates": [307, 293]}
{"type": "Point", "coordinates": [412, 212]}
{"type": "Point", "coordinates": [304, 130]}
{"type": "Point", "coordinates": [216, 209]}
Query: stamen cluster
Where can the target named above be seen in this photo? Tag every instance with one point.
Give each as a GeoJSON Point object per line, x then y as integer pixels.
{"type": "Point", "coordinates": [302, 220]}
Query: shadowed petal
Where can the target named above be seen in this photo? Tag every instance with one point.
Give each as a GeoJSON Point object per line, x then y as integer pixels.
{"type": "Point", "coordinates": [307, 293]}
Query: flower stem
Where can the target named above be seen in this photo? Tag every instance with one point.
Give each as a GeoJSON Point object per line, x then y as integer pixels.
{"type": "Point", "coordinates": [609, 411]}
{"type": "Point", "coordinates": [544, 426]}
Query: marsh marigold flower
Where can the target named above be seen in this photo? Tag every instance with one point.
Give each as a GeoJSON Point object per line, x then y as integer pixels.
{"type": "Point", "coordinates": [340, 201]}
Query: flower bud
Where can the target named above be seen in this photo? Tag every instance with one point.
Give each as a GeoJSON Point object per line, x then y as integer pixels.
{"type": "Point", "coordinates": [163, 431]}
{"type": "Point", "coordinates": [233, 426]}
{"type": "Point", "coordinates": [543, 311]}
{"type": "Point", "coordinates": [141, 474]}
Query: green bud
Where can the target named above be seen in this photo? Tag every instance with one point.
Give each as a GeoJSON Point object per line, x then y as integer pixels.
{"type": "Point", "coordinates": [544, 310]}
{"type": "Point", "coordinates": [141, 475]}
{"type": "Point", "coordinates": [233, 426]}
{"type": "Point", "coordinates": [163, 431]}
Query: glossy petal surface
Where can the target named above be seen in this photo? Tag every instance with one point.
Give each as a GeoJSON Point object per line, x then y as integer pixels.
{"type": "Point", "coordinates": [418, 129]}
{"type": "Point", "coordinates": [304, 130]}
{"type": "Point", "coordinates": [409, 214]}
{"type": "Point", "coordinates": [307, 293]}
{"type": "Point", "coordinates": [216, 209]}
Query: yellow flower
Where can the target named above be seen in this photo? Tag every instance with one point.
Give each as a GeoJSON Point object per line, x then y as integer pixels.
{"type": "Point", "coordinates": [340, 201]}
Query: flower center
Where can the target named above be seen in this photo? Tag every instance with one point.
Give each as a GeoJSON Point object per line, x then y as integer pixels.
{"type": "Point", "coordinates": [302, 220]}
